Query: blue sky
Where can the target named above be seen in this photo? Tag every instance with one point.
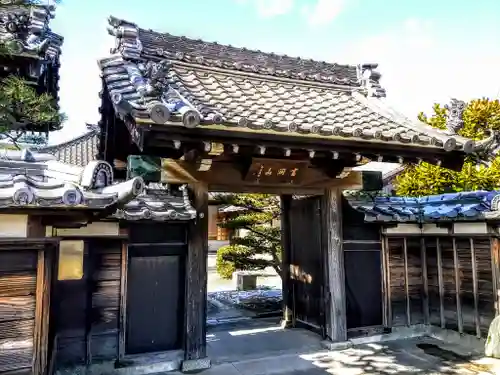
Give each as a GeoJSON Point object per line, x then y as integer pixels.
{"type": "Point", "coordinates": [428, 50]}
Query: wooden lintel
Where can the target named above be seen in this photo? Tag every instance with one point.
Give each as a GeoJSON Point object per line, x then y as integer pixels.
{"type": "Point", "coordinates": [227, 177]}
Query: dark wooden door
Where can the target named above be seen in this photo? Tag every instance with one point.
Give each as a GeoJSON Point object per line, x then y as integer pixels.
{"type": "Point", "coordinates": [363, 272]}
{"type": "Point", "coordinates": [155, 297]}
{"type": "Point", "coordinates": [307, 260]}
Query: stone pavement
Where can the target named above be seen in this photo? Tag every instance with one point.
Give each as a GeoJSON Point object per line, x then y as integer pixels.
{"type": "Point", "coordinates": [397, 357]}
{"type": "Point", "coordinates": [262, 348]}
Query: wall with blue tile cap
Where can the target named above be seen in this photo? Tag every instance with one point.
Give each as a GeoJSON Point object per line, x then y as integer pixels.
{"type": "Point", "coordinates": [466, 205]}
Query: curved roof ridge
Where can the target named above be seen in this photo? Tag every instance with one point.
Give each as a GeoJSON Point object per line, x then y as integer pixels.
{"type": "Point", "coordinates": [152, 44]}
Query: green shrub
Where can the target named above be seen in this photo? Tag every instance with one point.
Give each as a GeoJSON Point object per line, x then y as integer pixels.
{"type": "Point", "coordinates": [227, 260]}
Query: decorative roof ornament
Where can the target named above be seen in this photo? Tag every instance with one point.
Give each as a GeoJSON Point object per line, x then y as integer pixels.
{"type": "Point", "coordinates": [25, 30]}
{"type": "Point", "coordinates": [158, 203]}
{"type": "Point", "coordinates": [485, 150]}
{"type": "Point", "coordinates": [36, 180]}
{"type": "Point", "coordinates": [455, 116]}
{"type": "Point", "coordinates": [370, 79]}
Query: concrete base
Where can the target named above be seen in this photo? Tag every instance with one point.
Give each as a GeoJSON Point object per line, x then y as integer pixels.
{"type": "Point", "coordinates": [142, 364]}
{"type": "Point", "coordinates": [191, 366]}
{"type": "Point", "coordinates": [475, 345]}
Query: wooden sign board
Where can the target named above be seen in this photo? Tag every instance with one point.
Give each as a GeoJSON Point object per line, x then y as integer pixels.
{"type": "Point", "coordinates": [275, 171]}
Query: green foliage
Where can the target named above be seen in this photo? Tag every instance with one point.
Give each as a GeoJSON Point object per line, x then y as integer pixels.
{"type": "Point", "coordinates": [236, 257]}
{"type": "Point", "coordinates": [21, 105]}
{"type": "Point", "coordinates": [256, 243]}
{"type": "Point", "coordinates": [22, 108]}
{"type": "Point", "coordinates": [426, 179]}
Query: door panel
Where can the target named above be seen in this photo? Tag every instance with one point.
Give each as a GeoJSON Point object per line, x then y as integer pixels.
{"type": "Point", "coordinates": [306, 258]}
{"type": "Point", "coordinates": [154, 302]}
{"type": "Point", "coordinates": [363, 271]}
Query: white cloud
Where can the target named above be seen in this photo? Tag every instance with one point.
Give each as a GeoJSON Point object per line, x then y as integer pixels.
{"type": "Point", "coordinates": [323, 12]}
{"type": "Point", "coordinates": [269, 8]}
{"type": "Point", "coordinates": [420, 67]}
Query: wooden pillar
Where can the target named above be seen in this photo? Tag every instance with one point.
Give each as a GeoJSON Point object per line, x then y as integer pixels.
{"type": "Point", "coordinates": [287, 287]}
{"type": "Point", "coordinates": [475, 287]}
{"type": "Point", "coordinates": [123, 297]}
{"type": "Point", "coordinates": [331, 210]}
{"type": "Point", "coordinates": [407, 286]}
{"type": "Point", "coordinates": [425, 281]}
{"type": "Point", "coordinates": [196, 284]}
{"type": "Point", "coordinates": [386, 284]}
{"type": "Point", "coordinates": [42, 309]}
{"type": "Point", "coordinates": [440, 283]}
{"type": "Point", "coordinates": [457, 287]}
{"type": "Point", "coordinates": [495, 270]}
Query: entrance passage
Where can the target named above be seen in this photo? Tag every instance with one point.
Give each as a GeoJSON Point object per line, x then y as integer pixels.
{"type": "Point", "coordinates": [155, 295]}
{"type": "Point", "coordinates": [307, 263]}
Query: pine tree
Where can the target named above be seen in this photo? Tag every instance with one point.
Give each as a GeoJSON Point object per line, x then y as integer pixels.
{"type": "Point", "coordinates": [256, 240]}
{"type": "Point", "coordinates": [21, 105]}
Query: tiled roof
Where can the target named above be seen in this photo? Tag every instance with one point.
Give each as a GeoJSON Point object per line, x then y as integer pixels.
{"type": "Point", "coordinates": [27, 32]}
{"type": "Point", "coordinates": [159, 204]}
{"type": "Point", "coordinates": [453, 206]}
{"type": "Point", "coordinates": [156, 201]}
{"type": "Point", "coordinates": [78, 151]}
{"type": "Point", "coordinates": [33, 180]}
{"type": "Point", "coordinates": [162, 79]}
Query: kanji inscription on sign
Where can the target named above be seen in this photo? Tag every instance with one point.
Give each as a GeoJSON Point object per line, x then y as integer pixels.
{"type": "Point", "coordinates": [273, 171]}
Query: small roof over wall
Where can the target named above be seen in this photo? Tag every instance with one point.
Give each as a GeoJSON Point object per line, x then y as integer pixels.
{"type": "Point", "coordinates": [157, 201]}
{"type": "Point", "coordinates": [467, 206]}
{"type": "Point", "coordinates": [30, 180]}
{"type": "Point", "coordinates": [159, 204]}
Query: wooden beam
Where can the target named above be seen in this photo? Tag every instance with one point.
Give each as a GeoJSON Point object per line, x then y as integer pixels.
{"type": "Point", "coordinates": [385, 286]}
{"type": "Point", "coordinates": [475, 287]}
{"type": "Point", "coordinates": [331, 209]}
{"type": "Point", "coordinates": [495, 270]}
{"type": "Point", "coordinates": [227, 177]}
{"type": "Point", "coordinates": [247, 136]}
{"type": "Point", "coordinates": [122, 324]}
{"type": "Point", "coordinates": [286, 201]}
{"type": "Point", "coordinates": [440, 283]}
{"type": "Point", "coordinates": [407, 287]}
{"type": "Point", "coordinates": [196, 283]}
{"type": "Point", "coordinates": [389, 289]}
{"type": "Point", "coordinates": [457, 286]}
{"type": "Point", "coordinates": [42, 308]}
{"type": "Point", "coordinates": [425, 281]}
{"type": "Point", "coordinates": [88, 271]}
